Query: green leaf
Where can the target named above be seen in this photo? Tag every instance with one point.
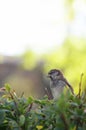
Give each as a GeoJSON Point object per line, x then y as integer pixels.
{"type": "Point", "coordinates": [2, 116]}
{"type": "Point", "coordinates": [21, 120]}
{"type": "Point", "coordinates": [13, 125]}
{"type": "Point", "coordinates": [8, 88]}
{"type": "Point", "coordinates": [30, 100]}
{"type": "Point", "coordinates": [74, 104]}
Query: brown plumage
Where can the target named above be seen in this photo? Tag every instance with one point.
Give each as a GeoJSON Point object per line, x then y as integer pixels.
{"type": "Point", "coordinates": [58, 82]}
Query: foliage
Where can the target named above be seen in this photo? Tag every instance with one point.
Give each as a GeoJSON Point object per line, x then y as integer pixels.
{"type": "Point", "coordinates": [19, 113]}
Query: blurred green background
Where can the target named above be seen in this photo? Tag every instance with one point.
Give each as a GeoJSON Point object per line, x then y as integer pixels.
{"type": "Point", "coordinates": [27, 72]}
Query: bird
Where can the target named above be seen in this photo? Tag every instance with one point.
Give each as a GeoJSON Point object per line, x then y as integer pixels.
{"type": "Point", "coordinates": [58, 82]}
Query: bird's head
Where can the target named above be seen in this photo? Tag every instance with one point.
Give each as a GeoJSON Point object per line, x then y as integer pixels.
{"type": "Point", "coordinates": [55, 74]}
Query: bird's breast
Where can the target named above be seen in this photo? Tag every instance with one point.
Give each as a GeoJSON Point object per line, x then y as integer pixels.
{"type": "Point", "coordinates": [57, 88]}
{"type": "Point", "coordinates": [58, 83]}
{"type": "Point", "coordinates": [56, 92]}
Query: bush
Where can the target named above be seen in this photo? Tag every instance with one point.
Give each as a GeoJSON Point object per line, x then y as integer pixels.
{"type": "Point", "coordinates": [20, 113]}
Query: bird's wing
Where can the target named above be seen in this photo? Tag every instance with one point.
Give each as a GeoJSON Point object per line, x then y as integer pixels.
{"type": "Point", "coordinates": [71, 88]}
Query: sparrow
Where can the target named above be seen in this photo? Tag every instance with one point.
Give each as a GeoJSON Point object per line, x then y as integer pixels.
{"type": "Point", "coordinates": [58, 82]}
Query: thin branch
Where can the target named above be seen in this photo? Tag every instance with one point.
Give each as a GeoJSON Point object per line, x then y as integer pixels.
{"type": "Point", "coordinates": [64, 121]}
{"type": "Point", "coordinates": [80, 84]}
{"type": "Point", "coordinates": [29, 107]}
